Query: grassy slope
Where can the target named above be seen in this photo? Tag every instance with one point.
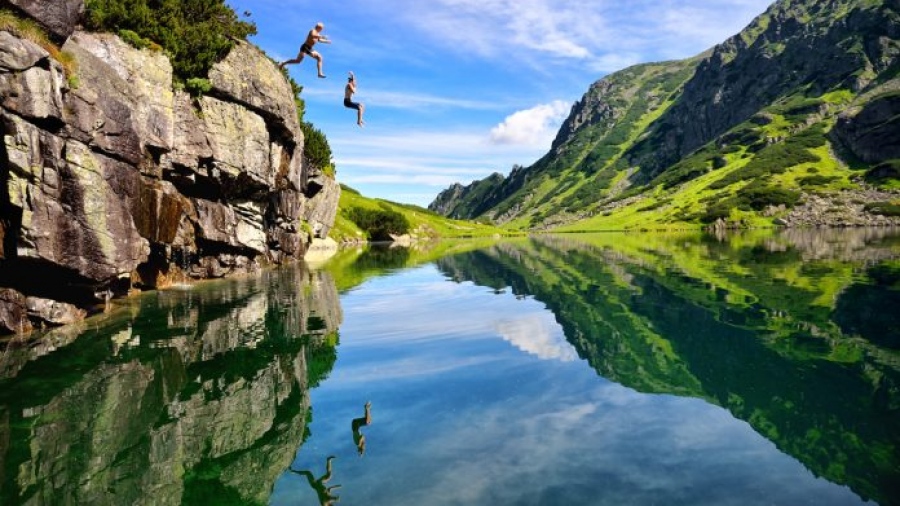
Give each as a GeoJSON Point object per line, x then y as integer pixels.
{"type": "Point", "coordinates": [424, 224]}
{"type": "Point", "coordinates": [684, 205]}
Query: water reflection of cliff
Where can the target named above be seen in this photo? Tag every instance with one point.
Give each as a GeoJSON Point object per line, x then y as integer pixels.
{"type": "Point", "coordinates": [197, 396]}
{"type": "Point", "coordinates": [770, 327]}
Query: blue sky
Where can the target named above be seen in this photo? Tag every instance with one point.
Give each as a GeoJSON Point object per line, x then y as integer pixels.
{"type": "Point", "coordinates": [458, 89]}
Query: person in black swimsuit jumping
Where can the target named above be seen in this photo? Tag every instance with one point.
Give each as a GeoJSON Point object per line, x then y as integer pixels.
{"type": "Point", "coordinates": [315, 35]}
{"type": "Point", "coordinates": [349, 90]}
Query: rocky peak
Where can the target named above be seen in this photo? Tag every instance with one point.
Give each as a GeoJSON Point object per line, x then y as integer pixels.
{"type": "Point", "coordinates": [808, 46]}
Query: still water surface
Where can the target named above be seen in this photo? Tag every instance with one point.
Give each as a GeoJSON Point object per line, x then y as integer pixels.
{"type": "Point", "coordinates": [611, 369]}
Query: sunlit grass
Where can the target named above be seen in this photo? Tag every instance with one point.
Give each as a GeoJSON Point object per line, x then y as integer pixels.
{"type": "Point", "coordinates": [29, 30]}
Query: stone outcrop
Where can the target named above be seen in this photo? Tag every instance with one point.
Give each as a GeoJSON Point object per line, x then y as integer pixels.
{"type": "Point", "coordinates": [872, 132]}
{"type": "Point", "coordinates": [59, 17]}
{"type": "Point", "coordinates": [112, 179]}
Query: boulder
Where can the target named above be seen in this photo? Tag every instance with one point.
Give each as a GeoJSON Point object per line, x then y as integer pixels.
{"type": "Point", "coordinates": [251, 78]}
{"type": "Point", "coordinates": [162, 215]}
{"type": "Point", "coordinates": [18, 54]}
{"type": "Point", "coordinates": [321, 210]}
{"type": "Point", "coordinates": [101, 110]}
{"type": "Point", "coordinates": [13, 315]}
{"type": "Point", "coordinates": [240, 147]}
{"type": "Point", "coordinates": [53, 312]}
{"type": "Point", "coordinates": [59, 17]}
{"type": "Point", "coordinates": [190, 143]}
{"type": "Point", "coordinates": [31, 84]}
{"type": "Point", "coordinates": [75, 204]}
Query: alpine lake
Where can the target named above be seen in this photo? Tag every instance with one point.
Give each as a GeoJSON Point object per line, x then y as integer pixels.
{"type": "Point", "coordinates": [757, 368]}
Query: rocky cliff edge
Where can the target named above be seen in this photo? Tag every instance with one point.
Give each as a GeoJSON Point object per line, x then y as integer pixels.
{"type": "Point", "coordinates": [112, 180]}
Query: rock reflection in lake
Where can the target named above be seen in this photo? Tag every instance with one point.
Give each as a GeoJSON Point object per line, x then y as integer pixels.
{"type": "Point", "coordinates": [183, 396]}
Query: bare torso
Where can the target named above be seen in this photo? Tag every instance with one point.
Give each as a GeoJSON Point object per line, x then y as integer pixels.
{"type": "Point", "coordinates": [312, 37]}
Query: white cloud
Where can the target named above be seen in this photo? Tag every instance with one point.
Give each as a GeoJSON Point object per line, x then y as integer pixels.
{"type": "Point", "coordinates": [534, 335]}
{"type": "Point", "coordinates": [535, 126]}
{"type": "Point", "coordinates": [594, 31]}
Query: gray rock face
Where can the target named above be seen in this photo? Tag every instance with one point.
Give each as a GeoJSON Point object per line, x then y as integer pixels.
{"type": "Point", "coordinates": [872, 133]}
{"type": "Point", "coordinates": [784, 56]}
{"type": "Point", "coordinates": [31, 84]}
{"type": "Point", "coordinates": [122, 182]}
{"type": "Point", "coordinates": [52, 312]}
{"type": "Point", "coordinates": [247, 76]}
{"type": "Point", "coordinates": [59, 17]}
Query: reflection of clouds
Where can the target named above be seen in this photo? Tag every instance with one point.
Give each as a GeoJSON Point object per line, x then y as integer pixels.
{"type": "Point", "coordinates": [534, 335]}
{"type": "Point", "coordinates": [461, 417]}
{"type": "Point", "coordinates": [422, 309]}
{"type": "Point", "coordinates": [580, 449]}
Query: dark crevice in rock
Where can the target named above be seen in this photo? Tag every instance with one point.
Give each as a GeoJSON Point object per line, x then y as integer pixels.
{"type": "Point", "coordinates": [10, 216]}
{"type": "Point", "coordinates": [206, 248]}
{"type": "Point", "coordinates": [243, 187]}
{"type": "Point", "coordinates": [157, 266]}
{"type": "Point", "coordinates": [155, 155]}
{"type": "Point", "coordinates": [191, 182]}
{"type": "Point", "coordinates": [36, 278]}
{"type": "Point", "coordinates": [50, 125]}
{"type": "Point", "coordinates": [111, 154]}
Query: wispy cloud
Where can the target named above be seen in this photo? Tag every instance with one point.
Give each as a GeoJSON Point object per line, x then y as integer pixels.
{"type": "Point", "coordinates": [406, 100]}
{"type": "Point", "coordinates": [531, 126]}
{"type": "Point", "coordinates": [593, 31]}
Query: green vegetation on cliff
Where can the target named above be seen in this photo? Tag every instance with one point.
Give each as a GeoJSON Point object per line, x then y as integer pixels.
{"type": "Point", "coordinates": [195, 33]}
{"type": "Point", "coordinates": [29, 30]}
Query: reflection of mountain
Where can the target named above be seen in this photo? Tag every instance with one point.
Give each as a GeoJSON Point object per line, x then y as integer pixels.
{"type": "Point", "coordinates": [747, 324]}
{"type": "Point", "coordinates": [196, 396]}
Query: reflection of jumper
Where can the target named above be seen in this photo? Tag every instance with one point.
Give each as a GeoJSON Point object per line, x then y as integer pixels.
{"type": "Point", "coordinates": [359, 438]}
{"type": "Point", "coordinates": [326, 498]}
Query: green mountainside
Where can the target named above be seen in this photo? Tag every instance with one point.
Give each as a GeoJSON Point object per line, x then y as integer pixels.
{"type": "Point", "coordinates": [361, 218]}
{"type": "Point", "coordinates": [793, 121]}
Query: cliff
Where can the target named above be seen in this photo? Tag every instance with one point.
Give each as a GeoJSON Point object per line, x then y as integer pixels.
{"type": "Point", "coordinates": [112, 180]}
{"type": "Point", "coordinates": [800, 105]}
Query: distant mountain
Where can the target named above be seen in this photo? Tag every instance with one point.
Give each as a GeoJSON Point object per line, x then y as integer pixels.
{"type": "Point", "coordinates": [793, 121]}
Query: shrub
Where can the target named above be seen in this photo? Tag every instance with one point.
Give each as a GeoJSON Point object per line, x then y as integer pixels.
{"type": "Point", "coordinates": [817, 180]}
{"type": "Point", "coordinates": [777, 158]}
{"type": "Point", "coordinates": [379, 224]}
{"type": "Point", "coordinates": [195, 33]}
{"type": "Point", "coordinates": [198, 86]}
{"type": "Point", "coordinates": [316, 148]}
{"type": "Point", "coordinates": [884, 172]}
{"type": "Point", "coordinates": [883, 208]}
{"type": "Point", "coordinates": [758, 197]}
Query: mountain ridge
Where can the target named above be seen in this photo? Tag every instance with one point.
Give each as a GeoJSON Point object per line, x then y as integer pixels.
{"type": "Point", "coordinates": [794, 96]}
